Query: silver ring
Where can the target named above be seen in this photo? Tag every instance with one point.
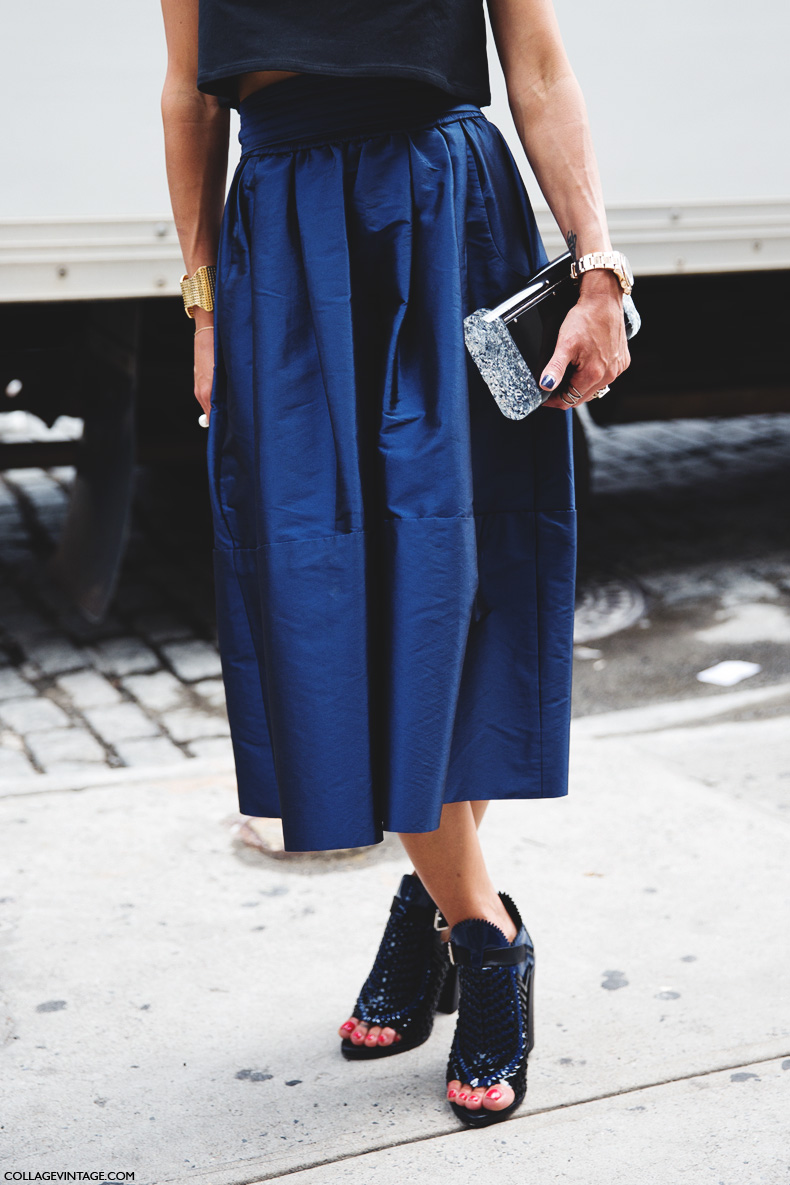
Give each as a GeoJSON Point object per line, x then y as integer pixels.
{"type": "Point", "coordinates": [600, 394]}
{"type": "Point", "coordinates": [203, 420]}
{"type": "Point", "coordinates": [578, 394]}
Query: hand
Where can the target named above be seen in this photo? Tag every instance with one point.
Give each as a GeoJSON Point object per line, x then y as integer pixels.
{"type": "Point", "coordinates": [204, 366]}
{"type": "Point", "coordinates": [591, 341]}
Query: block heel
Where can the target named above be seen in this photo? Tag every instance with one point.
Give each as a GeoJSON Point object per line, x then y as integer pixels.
{"type": "Point", "coordinates": [451, 992]}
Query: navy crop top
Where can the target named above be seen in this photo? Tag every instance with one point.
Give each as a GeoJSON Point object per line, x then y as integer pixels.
{"type": "Point", "coordinates": [438, 41]}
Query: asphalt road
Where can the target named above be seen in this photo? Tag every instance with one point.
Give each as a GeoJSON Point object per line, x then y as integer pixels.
{"type": "Point", "coordinates": [693, 516]}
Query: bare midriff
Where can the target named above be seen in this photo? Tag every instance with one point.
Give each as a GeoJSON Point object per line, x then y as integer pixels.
{"type": "Point", "coordinates": [254, 80]}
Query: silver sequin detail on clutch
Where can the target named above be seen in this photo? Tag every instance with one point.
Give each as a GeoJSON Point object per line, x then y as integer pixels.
{"type": "Point", "coordinates": [502, 366]}
{"type": "Point", "coordinates": [633, 321]}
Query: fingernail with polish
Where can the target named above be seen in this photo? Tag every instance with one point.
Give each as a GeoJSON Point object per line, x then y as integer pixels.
{"type": "Point", "coordinates": [547, 381]}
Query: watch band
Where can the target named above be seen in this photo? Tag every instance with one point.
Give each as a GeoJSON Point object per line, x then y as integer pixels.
{"type": "Point", "coordinates": [199, 288]}
{"type": "Point", "coordinates": [613, 261]}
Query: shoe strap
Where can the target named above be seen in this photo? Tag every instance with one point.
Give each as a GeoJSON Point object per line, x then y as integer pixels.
{"type": "Point", "coordinates": [430, 911]}
{"type": "Point", "coordinates": [492, 956]}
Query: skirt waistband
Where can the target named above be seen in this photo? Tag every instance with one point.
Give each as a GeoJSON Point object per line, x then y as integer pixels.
{"type": "Point", "coordinates": [320, 107]}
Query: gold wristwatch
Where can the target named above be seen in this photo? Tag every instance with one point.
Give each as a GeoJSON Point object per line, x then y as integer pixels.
{"type": "Point", "coordinates": [613, 261]}
{"type": "Point", "coordinates": [199, 289]}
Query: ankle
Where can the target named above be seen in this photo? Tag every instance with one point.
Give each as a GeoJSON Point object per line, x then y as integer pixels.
{"type": "Point", "coordinates": [490, 910]}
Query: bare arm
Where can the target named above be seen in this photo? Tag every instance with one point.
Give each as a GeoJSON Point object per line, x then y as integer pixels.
{"type": "Point", "coordinates": [196, 133]}
{"type": "Point", "coordinates": [551, 120]}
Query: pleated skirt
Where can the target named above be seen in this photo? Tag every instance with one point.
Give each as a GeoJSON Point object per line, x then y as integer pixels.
{"type": "Point", "coordinates": [393, 558]}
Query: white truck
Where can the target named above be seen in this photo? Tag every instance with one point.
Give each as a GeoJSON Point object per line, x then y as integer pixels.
{"type": "Point", "coordinates": [688, 104]}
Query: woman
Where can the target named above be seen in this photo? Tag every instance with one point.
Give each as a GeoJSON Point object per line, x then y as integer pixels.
{"type": "Point", "coordinates": [394, 558]}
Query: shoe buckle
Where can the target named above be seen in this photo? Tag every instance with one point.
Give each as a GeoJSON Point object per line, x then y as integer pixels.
{"type": "Point", "coordinates": [439, 922]}
{"type": "Point", "coordinates": [450, 954]}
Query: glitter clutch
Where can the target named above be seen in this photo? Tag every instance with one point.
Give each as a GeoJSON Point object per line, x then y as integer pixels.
{"type": "Point", "coordinates": [512, 343]}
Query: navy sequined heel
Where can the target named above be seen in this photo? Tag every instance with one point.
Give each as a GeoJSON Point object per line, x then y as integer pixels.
{"type": "Point", "coordinates": [411, 979]}
{"type": "Point", "coordinates": [495, 1029]}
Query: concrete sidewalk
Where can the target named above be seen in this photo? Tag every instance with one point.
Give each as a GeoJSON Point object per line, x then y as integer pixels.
{"type": "Point", "coordinates": [172, 996]}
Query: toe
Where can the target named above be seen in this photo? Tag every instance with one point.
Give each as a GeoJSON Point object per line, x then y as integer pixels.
{"type": "Point", "coordinates": [475, 1100]}
{"type": "Point", "coordinates": [387, 1036]}
{"type": "Point", "coordinates": [348, 1028]}
{"type": "Point", "coordinates": [359, 1034]}
{"type": "Point", "coordinates": [497, 1097]}
{"type": "Point", "coordinates": [372, 1035]}
{"type": "Point", "coordinates": [463, 1094]}
{"type": "Point", "coordinates": [453, 1089]}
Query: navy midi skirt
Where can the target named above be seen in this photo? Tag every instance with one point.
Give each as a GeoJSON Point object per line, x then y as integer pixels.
{"type": "Point", "coordinates": [394, 559]}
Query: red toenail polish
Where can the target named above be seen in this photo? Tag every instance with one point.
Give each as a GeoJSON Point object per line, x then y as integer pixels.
{"type": "Point", "coordinates": [348, 1027]}
{"type": "Point", "coordinates": [397, 1037]}
{"type": "Point", "coordinates": [493, 1094]}
{"type": "Point", "coordinates": [382, 1039]}
{"type": "Point", "coordinates": [451, 1094]}
{"type": "Point", "coordinates": [462, 1096]}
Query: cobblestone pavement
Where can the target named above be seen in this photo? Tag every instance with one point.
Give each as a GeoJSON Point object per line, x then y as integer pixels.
{"type": "Point", "coordinates": [142, 688]}
{"type": "Point", "coordinates": [689, 519]}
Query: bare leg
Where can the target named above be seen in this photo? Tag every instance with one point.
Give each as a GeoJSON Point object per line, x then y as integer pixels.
{"type": "Point", "coordinates": [451, 866]}
{"type": "Point", "coordinates": [449, 862]}
{"type": "Point", "coordinates": [478, 810]}
{"type": "Point", "coordinates": [361, 1033]}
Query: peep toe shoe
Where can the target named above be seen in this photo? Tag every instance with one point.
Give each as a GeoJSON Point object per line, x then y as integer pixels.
{"type": "Point", "coordinates": [412, 978]}
{"type": "Point", "coordinates": [495, 1028]}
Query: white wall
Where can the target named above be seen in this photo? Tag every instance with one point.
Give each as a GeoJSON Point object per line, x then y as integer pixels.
{"type": "Point", "coordinates": [689, 100]}
{"type": "Point", "coordinates": [81, 81]}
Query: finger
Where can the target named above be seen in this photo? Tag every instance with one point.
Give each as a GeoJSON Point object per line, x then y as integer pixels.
{"type": "Point", "coordinates": [565, 400]}
{"type": "Point", "coordinates": [558, 403]}
{"type": "Point", "coordinates": [202, 393]}
{"type": "Point", "coordinates": [583, 385]}
{"type": "Point", "coordinates": [590, 378]}
{"type": "Point", "coordinates": [555, 368]}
